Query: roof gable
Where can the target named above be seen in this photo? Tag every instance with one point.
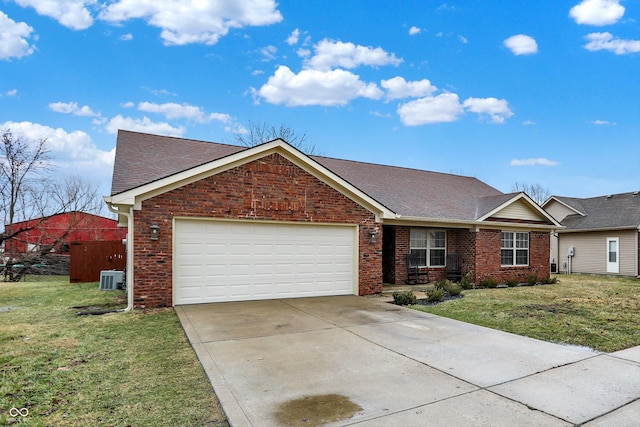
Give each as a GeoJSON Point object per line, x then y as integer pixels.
{"type": "Point", "coordinates": [513, 207]}
{"type": "Point", "coordinates": [165, 181]}
{"type": "Point", "coordinates": [603, 212]}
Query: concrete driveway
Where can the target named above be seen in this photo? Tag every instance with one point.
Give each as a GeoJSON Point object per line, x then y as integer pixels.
{"type": "Point", "coordinates": [364, 362]}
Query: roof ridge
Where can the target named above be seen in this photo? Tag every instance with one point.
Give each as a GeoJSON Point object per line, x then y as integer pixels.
{"type": "Point", "coordinates": [315, 157]}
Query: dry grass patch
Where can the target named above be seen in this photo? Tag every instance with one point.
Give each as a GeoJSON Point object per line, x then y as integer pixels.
{"type": "Point", "coordinates": [602, 313]}
{"type": "Point", "coordinates": [117, 369]}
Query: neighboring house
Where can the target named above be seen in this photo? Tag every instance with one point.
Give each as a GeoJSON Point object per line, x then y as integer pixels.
{"type": "Point", "coordinates": [601, 234]}
{"type": "Point", "coordinates": [55, 233]}
{"type": "Point", "coordinates": [211, 222]}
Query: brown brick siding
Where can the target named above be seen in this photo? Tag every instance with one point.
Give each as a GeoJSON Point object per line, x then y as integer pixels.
{"type": "Point", "coordinates": [271, 188]}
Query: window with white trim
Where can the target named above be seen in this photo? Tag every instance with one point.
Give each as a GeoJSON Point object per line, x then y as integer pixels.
{"type": "Point", "coordinates": [428, 245]}
{"type": "Point", "coordinates": [514, 248]}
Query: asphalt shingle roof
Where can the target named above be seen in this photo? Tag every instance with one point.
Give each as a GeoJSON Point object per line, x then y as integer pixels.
{"type": "Point", "coordinates": [143, 158]}
{"type": "Point", "coordinates": [613, 211]}
{"type": "Point", "coordinates": [412, 192]}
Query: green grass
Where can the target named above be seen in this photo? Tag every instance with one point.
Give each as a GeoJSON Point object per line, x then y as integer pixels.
{"type": "Point", "coordinates": [117, 369]}
{"type": "Point", "coordinates": [598, 312]}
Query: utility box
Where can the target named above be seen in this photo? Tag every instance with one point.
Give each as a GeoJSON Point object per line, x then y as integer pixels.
{"type": "Point", "coordinates": [571, 251]}
{"type": "Point", "coordinates": [111, 280]}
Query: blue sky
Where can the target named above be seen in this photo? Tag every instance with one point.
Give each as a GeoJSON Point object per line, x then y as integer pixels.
{"type": "Point", "coordinates": [538, 92]}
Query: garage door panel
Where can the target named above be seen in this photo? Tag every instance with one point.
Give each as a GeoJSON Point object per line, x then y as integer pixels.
{"type": "Point", "coordinates": [231, 261]}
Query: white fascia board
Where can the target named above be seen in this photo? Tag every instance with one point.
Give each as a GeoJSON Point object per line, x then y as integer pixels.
{"type": "Point", "coordinates": [589, 230]}
{"type": "Point", "coordinates": [144, 192]}
{"type": "Point", "coordinates": [453, 223]}
{"type": "Point", "coordinates": [529, 201]}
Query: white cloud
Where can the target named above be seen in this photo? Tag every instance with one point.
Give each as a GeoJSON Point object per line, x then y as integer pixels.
{"type": "Point", "coordinates": [220, 117]}
{"type": "Point", "coordinates": [597, 12]}
{"type": "Point", "coordinates": [379, 114]}
{"type": "Point", "coordinates": [315, 87]}
{"type": "Point", "coordinates": [303, 52]}
{"type": "Point", "coordinates": [72, 108]}
{"type": "Point", "coordinates": [269, 52]}
{"type": "Point", "coordinates": [293, 37]}
{"type": "Point", "coordinates": [237, 128]}
{"type": "Point", "coordinates": [398, 88]}
{"type": "Point", "coordinates": [521, 44]}
{"type": "Point", "coordinates": [603, 123]}
{"type": "Point", "coordinates": [539, 161]}
{"type": "Point", "coordinates": [606, 41]}
{"type": "Point", "coordinates": [143, 125]}
{"type": "Point", "coordinates": [70, 149]}
{"type": "Point", "coordinates": [445, 107]}
{"type": "Point", "coordinates": [463, 40]}
{"type": "Point", "coordinates": [528, 123]}
{"type": "Point", "coordinates": [330, 54]}
{"type": "Point", "coordinates": [196, 21]}
{"type": "Point", "coordinates": [126, 37]}
{"type": "Point", "coordinates": [171, 110]}
{"type": "Point", "coordinates": [414, 30]}
{"type": "Point", "coordinates": [128, 105]}
{"type": "Point", "coordinates": [497, 109]}
{"type": "Point", "coordinates": [160, 92]}
{"type": "Point", "coordinates": [72, 14]}
{"type": "Point", "coordinates": [14, 38]}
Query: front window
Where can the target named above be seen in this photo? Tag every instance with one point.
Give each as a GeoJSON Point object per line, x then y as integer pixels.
{"type": "Point", "coordinates": [428, 245]}
{"type": "Point", "coordinates": [514, 248]}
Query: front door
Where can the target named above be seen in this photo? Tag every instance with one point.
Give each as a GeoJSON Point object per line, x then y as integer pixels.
{"type": "Point", "coordinates": [613, 256]}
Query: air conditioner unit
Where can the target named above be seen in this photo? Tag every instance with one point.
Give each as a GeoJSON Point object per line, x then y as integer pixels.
{"type": "Point", "coordinates": [110, 280]}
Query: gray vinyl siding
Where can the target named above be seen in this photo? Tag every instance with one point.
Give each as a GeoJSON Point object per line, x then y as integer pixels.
{"type": "Point", "coordinates": [519, 210]}
{"type": "Point", "coordinates": [558, 210]}
{"type": "Point", "coordinates": [591, 251]}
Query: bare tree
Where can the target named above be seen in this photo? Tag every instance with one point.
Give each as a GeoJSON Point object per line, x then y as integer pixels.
{"type": "Point", "coordinates": [21, 163]}
{"type": "Point", "coordinates": [536, 191]}
{"type": "Point", "coordinates": [258, 133]}
{"type": "Point", "coordinates": [29, 197]}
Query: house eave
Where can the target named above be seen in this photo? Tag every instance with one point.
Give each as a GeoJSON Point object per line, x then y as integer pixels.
{"type": "Point", "coordinates": [589, 230]}
{"type": "Point", "coordinates": [461, 223]}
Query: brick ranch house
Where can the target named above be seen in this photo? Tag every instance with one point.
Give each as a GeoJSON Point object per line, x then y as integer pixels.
{"type": "Point", "coordinates": [211, 222]}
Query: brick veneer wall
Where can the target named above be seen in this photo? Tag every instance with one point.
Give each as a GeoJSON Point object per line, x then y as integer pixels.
{"type": "Point", "coordinates": [488, 257]}
{"type": "Point", "coordinates": [271, 188]}
{"type": "Point", "coordinates": [479, 254]}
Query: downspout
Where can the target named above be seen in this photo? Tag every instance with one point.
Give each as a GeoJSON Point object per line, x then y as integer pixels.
{"type": "Point", "coordinates": [129, 249]}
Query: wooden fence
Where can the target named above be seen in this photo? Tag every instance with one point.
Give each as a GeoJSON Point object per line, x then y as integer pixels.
{"type": "Point", "coordinates": [88, 259]}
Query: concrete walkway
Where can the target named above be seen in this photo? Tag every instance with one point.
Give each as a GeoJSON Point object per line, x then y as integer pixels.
{"type": "Point", "coordinates": [399, 367]}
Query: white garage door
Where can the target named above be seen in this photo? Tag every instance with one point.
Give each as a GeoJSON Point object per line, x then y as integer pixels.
{"type": "Point", "coordinates": [218, 261]}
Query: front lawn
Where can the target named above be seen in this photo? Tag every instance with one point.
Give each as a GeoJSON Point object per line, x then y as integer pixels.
{"type": "Point", "coordinates": [117, 369]}
{"type": "Point", "coordinates": [598, 312]}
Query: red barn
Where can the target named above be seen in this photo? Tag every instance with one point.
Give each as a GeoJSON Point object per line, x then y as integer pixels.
{"type": "Point", "coordinates": [55, 233]}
